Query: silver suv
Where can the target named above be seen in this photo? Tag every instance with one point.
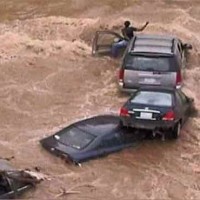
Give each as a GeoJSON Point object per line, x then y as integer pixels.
{"type": "Point", "coordinates": [152, 60]}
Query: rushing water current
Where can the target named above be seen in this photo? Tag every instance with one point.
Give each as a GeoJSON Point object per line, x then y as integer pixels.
{"type": "Point", "coordinates": [49, 79]}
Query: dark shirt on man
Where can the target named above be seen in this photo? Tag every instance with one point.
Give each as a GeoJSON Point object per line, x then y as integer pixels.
{"type": "Point", "coordinates": [128, 32]}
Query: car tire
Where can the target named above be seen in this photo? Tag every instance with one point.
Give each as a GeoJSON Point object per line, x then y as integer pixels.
{"type": "Point", "coordinates": [176, 131]}
{"type": "Point", "coordinates": [121, 123]}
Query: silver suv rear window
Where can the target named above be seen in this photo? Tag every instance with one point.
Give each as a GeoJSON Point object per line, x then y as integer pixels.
{"type": "Point", "coordinates": [153, 98]}
{"type": "Point", "coordinates": [142, 63]}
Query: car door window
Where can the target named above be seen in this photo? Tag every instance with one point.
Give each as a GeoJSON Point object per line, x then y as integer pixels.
{"type": "Point", "coordinates": [180, 49]}
{"type": "Point", "coordinates": [178, 99]}
{"type": "Point", "coordinates": [103, 41]}
{"type": "Point", "coordinates": [182, 97]}
{"type": "Point", "coordinates": [178, 53]}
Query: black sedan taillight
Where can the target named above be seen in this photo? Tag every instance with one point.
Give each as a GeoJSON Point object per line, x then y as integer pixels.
{"type": "Point", "coordinates": [124, 112]}
{"type": "Point", "coordinates": [169, 116]}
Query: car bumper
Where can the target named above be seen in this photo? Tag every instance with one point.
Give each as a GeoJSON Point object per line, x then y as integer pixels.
{"type": "Point", "coordinates": [134, 89]}
{"type": "Point", "coordinates": [127, 90]}
{"type": "Point", "coordinates": [147, 124]}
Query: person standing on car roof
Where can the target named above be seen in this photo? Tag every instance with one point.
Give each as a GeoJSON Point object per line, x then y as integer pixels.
{"type": "Point", "coordinates": [128, 33]}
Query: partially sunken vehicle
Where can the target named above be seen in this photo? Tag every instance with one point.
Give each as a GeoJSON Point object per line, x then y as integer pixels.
{"type": "Point", "coordinates": [90, 138]}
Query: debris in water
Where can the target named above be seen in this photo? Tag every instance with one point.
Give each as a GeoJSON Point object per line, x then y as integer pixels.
{"type": "Point", "coordinates": [14, 182]}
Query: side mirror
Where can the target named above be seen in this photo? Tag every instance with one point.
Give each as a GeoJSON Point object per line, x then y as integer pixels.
{"type": "Point", "coordinates": [187, 46]}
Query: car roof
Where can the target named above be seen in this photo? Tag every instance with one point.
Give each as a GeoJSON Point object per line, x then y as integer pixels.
{"type": "Point", "coordinates": [146, 43]}
{"type": "Point", "coordinates": [99, 125]}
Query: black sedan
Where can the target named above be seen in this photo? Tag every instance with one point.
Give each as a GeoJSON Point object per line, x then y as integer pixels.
{"type": "Point", "coordinates": [162, 110]}
{"type": "Point", "coordinates": [90, 138]}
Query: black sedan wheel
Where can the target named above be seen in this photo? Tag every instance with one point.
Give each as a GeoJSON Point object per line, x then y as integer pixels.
{"type": "Point", "coordinates": [176, 131]}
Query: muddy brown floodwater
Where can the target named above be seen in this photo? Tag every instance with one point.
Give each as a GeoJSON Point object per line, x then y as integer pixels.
{"type": "Point", "coordinates": [48, 80]}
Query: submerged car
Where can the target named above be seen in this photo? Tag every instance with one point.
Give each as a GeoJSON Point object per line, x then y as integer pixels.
{"type": "Point", "coordinates": [162, 110]}
{"type": "Point", "coordinates": [90, 138]}
{"type": "Point", "coordinates": [153, 60]}
{"type": "Point", "coordinates": [12, 182]}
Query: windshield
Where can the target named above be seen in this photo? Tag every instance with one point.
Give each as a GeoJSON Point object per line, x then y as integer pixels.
{"type": "Point", "coordinates": [153, 98]}
{"type": "Point", "coordinates": [144, 63]}
{"type": "Point", "coordinates": [75, 138]}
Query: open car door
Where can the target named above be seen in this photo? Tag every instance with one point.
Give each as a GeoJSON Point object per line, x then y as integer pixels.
{"type": "Point", "coordinates": [103, 41]}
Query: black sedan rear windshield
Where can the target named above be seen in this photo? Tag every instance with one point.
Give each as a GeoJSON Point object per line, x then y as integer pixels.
{"type": "Point", "coordinates": [147, 63]}
{"type": "Point", "coordinates": [153, 98]}
{"type": "Point", "coordinates": [75, 138]}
